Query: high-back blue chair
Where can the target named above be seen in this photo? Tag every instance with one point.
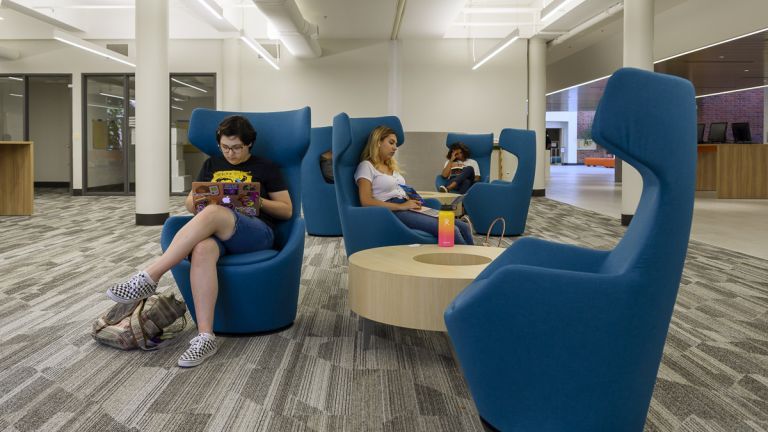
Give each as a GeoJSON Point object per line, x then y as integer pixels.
{"type": "Point", "coordinates": [318, 198]}
{"type": "Point", "coordinates": [365, 227]}
{"type": "Point", "coordinates": [480, 149]}
{"type": "Point", "coordinates": [258, 291]}
{"type": "Point", "coordinates": [510, 200]}
{"type": "Point", "coordinates": [553, 337]}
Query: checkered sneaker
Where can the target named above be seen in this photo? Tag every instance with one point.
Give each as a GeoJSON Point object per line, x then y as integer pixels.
{"type": "Point", "coordinates": [200, 348]}
{"type": "Point", "coordinates": [443, 189]}
{"type": "Point", "coordinates": [138, 287]}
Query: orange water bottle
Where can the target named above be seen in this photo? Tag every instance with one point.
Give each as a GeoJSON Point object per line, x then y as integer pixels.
{"type": "Point", "coordinates": [445, 220]}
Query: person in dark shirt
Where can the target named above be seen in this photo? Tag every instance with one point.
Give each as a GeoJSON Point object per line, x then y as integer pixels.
{"type": "Point", "coordinates": [216, 231]}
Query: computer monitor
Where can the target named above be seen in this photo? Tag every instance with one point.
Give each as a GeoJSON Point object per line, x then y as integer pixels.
{"type": "Point", "coordinates": [700, 133]}
{"type": "Point", "coordinates": [741, 133]}
{"type": "Point", "coordinates": [717, 132]}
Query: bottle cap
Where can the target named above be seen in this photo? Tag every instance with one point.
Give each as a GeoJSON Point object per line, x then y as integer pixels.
{"type": "Point", "coordinates": [446, 207]}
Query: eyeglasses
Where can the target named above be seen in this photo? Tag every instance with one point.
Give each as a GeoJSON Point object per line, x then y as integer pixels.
{"type": "Point", "coordinates": [234, 149]}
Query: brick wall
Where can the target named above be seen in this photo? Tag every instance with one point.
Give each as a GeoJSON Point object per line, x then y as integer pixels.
{"type": "Point", "coordinates": [745, 106]}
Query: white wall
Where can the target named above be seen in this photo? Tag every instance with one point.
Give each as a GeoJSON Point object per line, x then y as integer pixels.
{"type": "Point", "coordinates": [350, 77]}
{"type": "Point", "coordinates": [438, 90]}
{"type": "Point", "coordinates": [441, 92]}
{"type": "Point", "coordinates": [687, 25]}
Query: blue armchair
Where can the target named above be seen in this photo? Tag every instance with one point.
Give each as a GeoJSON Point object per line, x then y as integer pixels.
{"type": "Point", "coordinates": [318, 198]}
{"type": "Point", "coordinates": [554, 337]}
{"type": "Point", "coordinates": [485, 202]}
{"type": "Point", "coordinates": [258, 291]}
{"type": "Point", "coordinates": [365, 227]}
{"type": "Point", "coordinates": [480, 148]}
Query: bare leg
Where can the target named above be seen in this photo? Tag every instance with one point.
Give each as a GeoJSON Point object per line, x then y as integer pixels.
{"type": "Point", "coordinates": [205, 285]}
{"type": "Point", "coordinates": [213, 220]}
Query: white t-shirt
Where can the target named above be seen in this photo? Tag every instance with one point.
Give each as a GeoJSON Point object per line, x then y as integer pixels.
{"type": "Point", "coordinates": [469, 162]}
{"type": "Point", "coordinates": [385, 186]}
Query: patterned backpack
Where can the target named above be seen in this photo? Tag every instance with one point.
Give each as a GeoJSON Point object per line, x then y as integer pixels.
{"type": "Point", "coordinates": [144, 324]}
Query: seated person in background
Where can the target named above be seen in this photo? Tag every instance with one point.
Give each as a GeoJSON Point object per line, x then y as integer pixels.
{"type": "Point", "coordinates": [326, 166]}
{"type": "Point", "coordinates": [378, 181]}
{"type": "Point", "coordinates": [215, 231]}
{"type": "Point", "coordinates": [461, 171]}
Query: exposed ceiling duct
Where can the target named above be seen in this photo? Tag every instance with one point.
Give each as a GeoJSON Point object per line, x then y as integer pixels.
{"type": "Point", "coordinates": [297, 34]}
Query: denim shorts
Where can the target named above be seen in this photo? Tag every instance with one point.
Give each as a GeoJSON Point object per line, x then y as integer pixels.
{"type": "Point", "coordinates": [251, 234]}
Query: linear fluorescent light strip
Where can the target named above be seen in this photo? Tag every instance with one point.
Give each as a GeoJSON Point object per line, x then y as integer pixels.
{"type": "Point", "coordinates": [711, 45]}
{"type": "Point", "coordinates": [732, 91]}
{"type": "Point", "coordinates": [16, 95]}
{"type": "Point", "coordinates": [515, 35]}
{"type": "Point", "coordinates": [189, 85]}
{"type": "Point", "coordinates": [578, 85]}
{"type": "Point", "coordinates": [15, 78]}
{"type": "Point", "coordinates": [210, 8]}
{"type": "Point", "coordinates": [90, 47]}
{"type": "Point", "coordinates": [260, 51]}
{"type": "Point", "coordinates": [558, 5]}
{"type": "Point", "coordinates": [498, 10]}
{"type": "Point", "coordinates": [177, 108]}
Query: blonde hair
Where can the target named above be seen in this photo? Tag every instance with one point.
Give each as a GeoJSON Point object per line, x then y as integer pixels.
{"type": "Point", "coordinates": [371, 151]}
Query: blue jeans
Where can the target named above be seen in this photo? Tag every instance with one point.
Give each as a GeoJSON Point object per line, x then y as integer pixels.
{"type": "Point", "coordinates": [251, 235]}
{"type": "Point", "coordinates": [464, 180]}
{"type": "Point", "coordinates": [418, 221]}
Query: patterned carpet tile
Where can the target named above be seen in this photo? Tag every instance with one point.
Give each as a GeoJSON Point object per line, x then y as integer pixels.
{"type": "Point", "coordinates": [330, 371]}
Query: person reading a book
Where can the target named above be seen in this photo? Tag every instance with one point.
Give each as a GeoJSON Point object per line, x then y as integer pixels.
{"type": "Point", "coordinates": [379, 181]}
{"type": "Point", "coordinates": [461, 171]}
{"type": "Point", "coordinates": [216, 230]}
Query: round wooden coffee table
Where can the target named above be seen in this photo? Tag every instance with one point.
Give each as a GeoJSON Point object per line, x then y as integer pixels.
{"type": "Point", "coordinates": [443, 197]}
{"type": "Point", "coordinates": [411, 285]}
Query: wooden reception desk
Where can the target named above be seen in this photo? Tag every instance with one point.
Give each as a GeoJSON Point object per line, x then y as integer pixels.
{"type": "Point", "coordinates": [17, 189]}
{"type": "Point", "coordinates": [733, 170]}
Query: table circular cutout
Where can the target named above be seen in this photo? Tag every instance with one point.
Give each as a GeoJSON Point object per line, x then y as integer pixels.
{"type": "Point", "coordinates": [411, 285]}
{"type": "Point", "coordinates": [452, 259]}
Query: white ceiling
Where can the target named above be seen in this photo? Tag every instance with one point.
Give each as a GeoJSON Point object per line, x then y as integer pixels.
{"type": "Point", "coordinates": [337, 19]}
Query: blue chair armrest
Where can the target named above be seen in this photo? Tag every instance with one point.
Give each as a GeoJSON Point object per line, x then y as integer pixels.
{"type": "Point", "coordinates": [368, 218]}
{"type": "Point", "coordinates": [440, 181]}
{"type": "Point", "coordinates": [531, 251]}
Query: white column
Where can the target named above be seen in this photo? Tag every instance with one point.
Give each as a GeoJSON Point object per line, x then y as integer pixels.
{"type": "Point", "coordinates": [638, 53]}
{"type": "Point", "coordinates": [152, 116]}
{"type": "Point", "coordinates": [537, 109]}
{"type": "Point", "coordinates": [393, 89]}
{"type": "Point", "coordinates": [77, 133]}
{"type": "Point", "coordinates": [230, 75]}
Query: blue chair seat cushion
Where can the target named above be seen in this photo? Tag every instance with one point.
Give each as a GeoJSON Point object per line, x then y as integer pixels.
{"type": "Point", "coordinates": [247, 258]}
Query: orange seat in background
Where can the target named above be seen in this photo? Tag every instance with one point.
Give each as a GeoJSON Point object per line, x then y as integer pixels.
{"type": "Point", "coordinates": [595, 161]}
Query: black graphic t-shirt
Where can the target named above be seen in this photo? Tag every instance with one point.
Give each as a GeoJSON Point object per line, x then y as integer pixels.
{"type": "Point", "coordinates": [255, 169]}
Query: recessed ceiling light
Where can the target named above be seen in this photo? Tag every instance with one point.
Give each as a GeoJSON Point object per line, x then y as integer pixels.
{"type": "Point", "coordinates": [722, 57]}
{"type": "Point", "coordinates": [746, 70]}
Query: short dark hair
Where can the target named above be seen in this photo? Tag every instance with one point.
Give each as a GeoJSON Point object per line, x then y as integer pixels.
{"type": "Point", "coordinates": [458, 145]}
{"type": "Point", "coordinates": [238, 126]}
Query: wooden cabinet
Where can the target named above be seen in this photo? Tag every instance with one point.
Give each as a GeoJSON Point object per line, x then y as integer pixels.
{"type": "Point", "coordinates": [17, 189]}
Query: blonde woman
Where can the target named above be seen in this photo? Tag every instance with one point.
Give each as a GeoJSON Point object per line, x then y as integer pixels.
{"type": "Point", "coordinates": [379, 178]}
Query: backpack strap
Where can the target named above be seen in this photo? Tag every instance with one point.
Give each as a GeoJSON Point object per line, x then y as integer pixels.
{"type": "Point", "coordinates": [137, 329]}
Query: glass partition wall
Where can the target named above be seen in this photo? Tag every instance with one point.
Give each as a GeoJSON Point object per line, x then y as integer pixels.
{"type": "Point", "coordinates": [110, 137]}
{"type": "Point", "coordinates": [12, 121]}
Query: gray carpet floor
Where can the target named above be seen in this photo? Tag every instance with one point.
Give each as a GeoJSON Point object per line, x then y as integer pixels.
{"type": "Point", "coordinates": [319, 375]}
